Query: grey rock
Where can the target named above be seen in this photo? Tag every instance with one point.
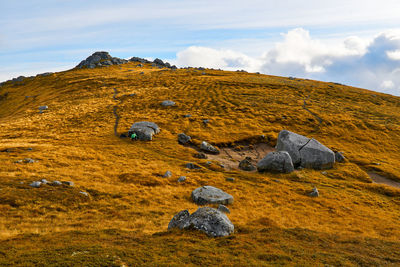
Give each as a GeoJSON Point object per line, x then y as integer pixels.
{"type": "Point", "coordinates": [56, 183]}
{"type": "Point", "coordinates": [144, 130]}
{"type": "Point", "coordinates": [168, 103]}
{"type": "Point", "coordinates": [305, 152]}
{"type": "Point", "coordinates": [211, 195]}
{"type": "Point", "coordinates": [246, 164]}
{"type": "Point", "coordinates": [223, 208]}
{"type": "Point", "coordinates": [187, 115]}
{"type": "Point", "coordinates": [84, 193]}
{"type": "Point", "coordinates": [208, 148]}
{"type": "Point", "coordinates": [181, 179]}
{"type": "Point", "coordinates": [43, 107]}
{"type": "Point", "coordinates": [314, 192]}
{"type": "Point", "coordinates": [69, 183]}
{"type": "Point", "coordinates": [44, 181]}
{"type": "Point", "coordinates": [30, 149]}
{"type": "Point", "coordinates": [183, 138]}
{"type": "Point", "coordinates": [29, 160]}
{"type": "Point", "coordinates": [339, 157]}
{"type": "Point", "coordinates": [200, 155]}
{"type": "Point", "coordinates": [206, 121]}
{"type": "Point", "coordinates": [208, 220]}
{"type": "Point", "coordinates": [167, 174]}
{"type": "Point", "coordinates": [192, 166]}
{"type": "Point", "coordinates": [35, 184]}
{"type": "Point", "coordinates": [45, 74]}
{"type": "Point", "coordinates": [230, 179]}
{"type": "Point", "coordinates": [276, 162]}
{"type": "Point", "coordinates": [18, 161]}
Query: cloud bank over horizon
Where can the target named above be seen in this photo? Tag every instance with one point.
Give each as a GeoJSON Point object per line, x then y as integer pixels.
{"type": "Point", "coordinates": [372, 64]}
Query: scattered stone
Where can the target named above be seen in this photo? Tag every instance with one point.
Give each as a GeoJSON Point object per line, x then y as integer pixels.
{"type": "Point", "coordinates": [208, 148]}
{"type": "Point", "coordinates": [44, 181]}
{"type": "Point", "coordinates": [181, 179]}
{"type": "Point", "coordinates": [42, 108]}
{"type": "Point", "coordinates": [305, 152]}
{"type": "Point", "coordinates": [324, 173]}
{"type": "Point", "coordinates": [230, 179]}
{"type": "Point", "coordinates": [30, 149]}
{"type": "Point", "coordinates": [84, 193]}
{"type": "Point", "coordinates": [144, 130]}
{"type": "Point", "coordinates": [56, 183]}
{"type": "Point", "coordinates": [376, 163]}
{"type": "Point", "coordinates": [200, 155]}
{"type": "Point", "coordinates": [339, 157]}
{"type": "Point", "coordinates": [69, 183]}
{"type": "Point", "coordinates": [141, 73]}
{"type": "Point", "coordinates": [211, 195]}
{"type": "Point", "coordinates": [187, 115]}
{"type": "Point", "coordinates": [29, 160]}
{"type": "Point", "coordinates": [168, 103]}
{"type": "Point", "coordinates": [223, 208]}
{"type": "Point", "coordinates": [206, 121]}
{"type": "Point", "coordinates": [192, 166]}
{"type": "Point", "coordinates": [314, 192]}
{"type": "Point", "coordinates": [123, 135]}
{"type": "Point", "coordinates": [35, 184]}
{"type": "Point", "coordinates": [276, 162]}
{"type": "Point", "coordinates": [208, 220]}
{"type": "Point", "coordinates": [18, 161]}
{"type": "Point", "coordinates": [183, 138]}
{"type": "Point", "coordinates": [167, 174]}
{"type": "Point", "coordinates": [246, 165]}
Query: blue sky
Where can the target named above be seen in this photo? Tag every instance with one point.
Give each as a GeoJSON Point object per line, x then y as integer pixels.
{"type": "Point", "coordinates": [351, 42]}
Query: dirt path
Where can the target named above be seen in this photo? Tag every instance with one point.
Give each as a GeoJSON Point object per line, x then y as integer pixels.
{"type": "Point", "coordinates": [230, 158]}
{"type": "Point", "coordinates": [379, 179]}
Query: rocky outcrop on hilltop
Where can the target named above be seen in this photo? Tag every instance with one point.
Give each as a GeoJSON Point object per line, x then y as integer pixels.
{"type": "Point", "coordinates": [99, 59]}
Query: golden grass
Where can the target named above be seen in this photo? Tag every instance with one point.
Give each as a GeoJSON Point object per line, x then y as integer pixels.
{"type": "Point", "coordinates": [276, 222]}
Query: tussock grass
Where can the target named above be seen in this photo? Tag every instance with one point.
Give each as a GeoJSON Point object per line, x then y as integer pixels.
{"type": "Point", "coordinates": [124, 219]}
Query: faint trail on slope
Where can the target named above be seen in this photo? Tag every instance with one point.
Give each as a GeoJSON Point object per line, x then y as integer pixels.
{"type": "Point", "coordinates": [309, 111]}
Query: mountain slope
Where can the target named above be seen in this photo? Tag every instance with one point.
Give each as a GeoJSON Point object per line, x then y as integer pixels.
{"type": "Point", "coordinates": [125, 215]}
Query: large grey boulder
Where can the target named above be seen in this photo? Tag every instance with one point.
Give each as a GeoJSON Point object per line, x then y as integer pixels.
{"type": "Point", "coordinates": [305, 152]}
{"type": "Point", "coordinates": [208, 148]}
{"type": "Point", "coordinates": [276, 162]}
{"type": "Point", "coordinates": [144, 130]}
{"type": "Point", "coordinates": [208, 220]}
{"type": "Point", "coordinates": [211, 195]}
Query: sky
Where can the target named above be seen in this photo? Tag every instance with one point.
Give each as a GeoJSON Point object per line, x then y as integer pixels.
{"type": "Point", "coordinates": [350, 42]}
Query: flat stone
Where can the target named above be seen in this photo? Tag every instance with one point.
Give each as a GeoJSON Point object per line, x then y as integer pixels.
{"type": "Point", "coordinates": [223, 208]}
{"type": "Point", "coordinates": [69, 183]}
{"type": "Point", "coordinates": [35, 184]}
{"type": "Point", "coordinates": [168, 103]}
{"type": "Point", "coordinates": [181, 179]}
{"type": "Point", "coordinates": [211, 195]}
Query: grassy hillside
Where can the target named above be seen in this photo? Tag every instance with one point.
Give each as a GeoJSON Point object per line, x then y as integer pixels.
{"type": "Point", "coordinates": [124, 218]}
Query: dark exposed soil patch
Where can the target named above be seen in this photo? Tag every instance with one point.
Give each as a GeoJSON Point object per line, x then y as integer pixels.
{"type": "Point", "coordinates": [231, 156]}
{"type": "Point", "coordinates": [379, 179]}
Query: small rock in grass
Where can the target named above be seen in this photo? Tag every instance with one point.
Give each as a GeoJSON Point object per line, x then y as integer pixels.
{"type": "Point", "coordinates": [314, 192]}
{"type": "Point", "coordinates": [168, 103]}
{"type": "Point", "coordinates": [167, 174]}
{"type": "Point", "coordinates": [84, 193]}
{"type": "Point", "coordinates": [246, 165]}
{"type": "Point", "coordinates": [200, 155]}
{"type": "Point", "coordinates": [69, 183]}
{"type": "Point", "coordinates": [29, 160]}
{"type": "Point", "coordinates": [230, 179]}
{"type": "Point", "coordinates": [187, 115]}
{"type": "Point", "coordinates": [56, 183]}
{"type": "Point", "coordinates": [44, 181]}
{"type": "Point", "coordinates": [192, 166]}
{"type": "Point", "coordinates": [41, 108]}
{"type": "Point", "coordinates": [339, 157]}
{"type": "Point", "coordinates": [183, 138]}
{"type": "Point", "coordinates": [208, 148]}
{"type": "Point", "coordinates": [181, 179]}
{"type": "Point", "coordinates": [35, 184]}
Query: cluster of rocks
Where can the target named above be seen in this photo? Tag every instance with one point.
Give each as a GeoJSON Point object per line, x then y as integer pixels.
{"type": "Point", "coordinates": [99, 59]}
{"type": "Point", "coordinates": [22, 78]}
{"type": "Point", "coordinates": [297, 151]}
{"type": "Point", "coordinates": [155, 63]}
{"type": "Point", "coordinates": [25, 160]}
{"type": "Point", "coordinates": [168, 174]}
{"type": "Point", "coordinates": [144, 130]}
{"type": "Point", "coordinates": [37, 184]}
{"type": "Point", "coordinates": [213, 222]}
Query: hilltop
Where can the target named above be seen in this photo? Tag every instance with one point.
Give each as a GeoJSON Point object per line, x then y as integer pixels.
{"type": "Point", "coordinates": [118, 209]}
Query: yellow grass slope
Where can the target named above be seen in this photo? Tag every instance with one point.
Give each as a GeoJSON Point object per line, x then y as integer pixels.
{"type": "Point", "coordinates": [125, 217]}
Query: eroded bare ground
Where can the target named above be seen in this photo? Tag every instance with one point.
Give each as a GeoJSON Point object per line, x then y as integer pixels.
{"type": "Point", "coordinates": [231, 156]}
{"type": "Point", "coordinates": [379, 179]}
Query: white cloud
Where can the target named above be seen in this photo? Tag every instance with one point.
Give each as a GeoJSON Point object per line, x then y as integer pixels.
{"type": "Point", "coordinates": [367, 63]}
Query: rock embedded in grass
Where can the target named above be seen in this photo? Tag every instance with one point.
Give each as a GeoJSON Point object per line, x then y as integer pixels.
{"type": "Point", "coordinates": [167, 174]}
{"type": "Point", "coordinates": [339, 157]}
{"type": "Point", "coordinates": [246, 164]}
{"type": "Point", "coordinates": [56, 183]}
{"type": "Point", "coordinates": [314, 192]}
{"type": "Point", "coordinates": [181, 179]}
{"type": "Point", "coordinates": [183, 138]}
{"type": "Point", "coordinates": [35, 184]}
{"type": "Point", "coordinates": [211, 221]}
{"type": "Point", "coordinates": [192, 166]}
{"type": "Point", "coordinates": [211, 195]}
{"type": "Point", "coordinates": [168, 103]}
{"type": "Point", "coordinates": [69, 183]}
{"type": "Point", "coordinates": [276, 162]}
{"type": "Point", "coordinates": [144, 130]}
{"type": "Point", "coordinates": [305, 152]}
{"type": "Point", "coordinates": [208, 148]}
